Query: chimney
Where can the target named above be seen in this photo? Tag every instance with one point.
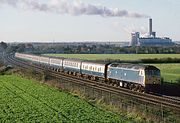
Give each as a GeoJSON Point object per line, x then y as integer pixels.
{"type": "Point", "coordinates": [150, 26]}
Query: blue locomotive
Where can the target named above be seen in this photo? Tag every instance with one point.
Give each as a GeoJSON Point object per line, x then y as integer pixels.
{"type": "Point", "coordinates": [132, 76]}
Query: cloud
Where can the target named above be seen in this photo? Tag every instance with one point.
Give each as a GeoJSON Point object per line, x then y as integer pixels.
{"type": "Point", "coordinates": [73, 8]}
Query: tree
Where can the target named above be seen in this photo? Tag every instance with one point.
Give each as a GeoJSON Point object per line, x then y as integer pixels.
{"type": "Point", "coordinates": [3, 45]}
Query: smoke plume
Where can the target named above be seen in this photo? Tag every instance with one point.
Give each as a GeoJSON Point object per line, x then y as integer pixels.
{"type": "Point", "coordinates": [71, 7]}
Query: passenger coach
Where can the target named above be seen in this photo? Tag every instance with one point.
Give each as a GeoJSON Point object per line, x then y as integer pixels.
{"type": "Point", "coordinates": [72, 66]}
{"type": "Point", "coordinates": [93, 70]}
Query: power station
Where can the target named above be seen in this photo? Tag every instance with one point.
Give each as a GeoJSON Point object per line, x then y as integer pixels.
{"type": "Point", "coordinates": [150, 40]}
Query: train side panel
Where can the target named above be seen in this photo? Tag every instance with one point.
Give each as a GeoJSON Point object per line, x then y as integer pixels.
{"type": "Point", "coordinates": [44, 60]}
{"type": "Point", "coordinates": [28, 57]}
{"type": "Point", "coordinates": [35, 58]}
{"type": "Point", "coordinates": [72, 65]}
{"type": "Point", "coordinates": [93, 69]}
{"type": "Point", "coordinates": [127, 75]}
{"type": "Point", "coordinates": [56, 63]}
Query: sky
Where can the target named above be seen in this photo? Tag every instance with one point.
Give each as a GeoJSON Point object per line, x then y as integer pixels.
{"type": "Point", "coordinates": [86, 20]}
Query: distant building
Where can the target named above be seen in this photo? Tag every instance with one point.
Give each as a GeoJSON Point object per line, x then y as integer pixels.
{"type": "Point", "coordinates": [150, 40]}
{"type": "Point", "coordinates": [135, 38]}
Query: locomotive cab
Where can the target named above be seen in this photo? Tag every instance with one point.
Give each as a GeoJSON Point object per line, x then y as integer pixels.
{"type": "Point", "coordinates": [152, 79]}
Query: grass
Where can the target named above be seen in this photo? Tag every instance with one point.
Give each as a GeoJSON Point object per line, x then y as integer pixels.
{"type": "Point", "coordinates": [170, 72]}
{"type": "Point", "coordinates": [116, 56]}
{"type": "Point", "coordinates": [23, 100]}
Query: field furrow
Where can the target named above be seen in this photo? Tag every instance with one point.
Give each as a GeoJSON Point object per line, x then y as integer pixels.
{"type": "Point", "coordinates": [22, 100]}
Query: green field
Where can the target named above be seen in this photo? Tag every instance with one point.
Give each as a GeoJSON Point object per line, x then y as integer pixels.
{"type": "Point", "coordinates": [22, 100]}
{"type": "Point", "coordinates": [116, 56]}
{"type": "Point", "coordinates": [170, 72]}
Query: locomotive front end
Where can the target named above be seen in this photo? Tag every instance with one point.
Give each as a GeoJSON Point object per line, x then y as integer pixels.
{"type": "Point", "coordinates": [152, 79]}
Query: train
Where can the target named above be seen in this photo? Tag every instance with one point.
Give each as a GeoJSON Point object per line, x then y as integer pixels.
{"type": "Point", "coordinates": [137, 77]}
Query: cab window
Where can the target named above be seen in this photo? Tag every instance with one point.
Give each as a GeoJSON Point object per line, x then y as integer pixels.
{"type": "Point", "coordinates": [153, 72]}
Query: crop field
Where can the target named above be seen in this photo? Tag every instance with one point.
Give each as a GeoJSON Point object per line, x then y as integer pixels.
{"type": "Point", "coordinates": [116, 56]}
{"type": "Point", "coordinates": [170, 72]}
{"type": "Point", "coordinates": [23, 100]}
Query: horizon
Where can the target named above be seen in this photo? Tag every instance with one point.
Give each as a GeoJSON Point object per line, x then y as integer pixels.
{"type": "Point", "coordinates": [74, 21]}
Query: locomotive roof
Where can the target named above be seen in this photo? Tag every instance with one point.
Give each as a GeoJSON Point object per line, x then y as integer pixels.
{"type": "Point", "coordinates": [126, 65]}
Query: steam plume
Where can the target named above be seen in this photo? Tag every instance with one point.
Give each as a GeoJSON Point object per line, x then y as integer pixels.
{"type": "Point", "coordinates": [72, 8]}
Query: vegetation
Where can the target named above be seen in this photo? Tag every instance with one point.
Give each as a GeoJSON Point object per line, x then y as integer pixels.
{"type": "Point", "coordinates": [170, 72]}
{"type": "Point", "coordinates": [22, 100]}
{"type": "Point", "coordinates": [88, 48]}
{"type": "Point", "coordinates": [3, 46]}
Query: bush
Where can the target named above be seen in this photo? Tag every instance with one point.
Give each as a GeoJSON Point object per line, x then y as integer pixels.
{"type": "Point", "coordinates": [178, 80]}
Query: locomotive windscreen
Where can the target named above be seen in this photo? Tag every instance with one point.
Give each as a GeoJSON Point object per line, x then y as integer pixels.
{"type": "Point", "coordinates": [152, 71]}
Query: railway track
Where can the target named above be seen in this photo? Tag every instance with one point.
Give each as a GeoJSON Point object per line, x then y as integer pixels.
{"type": "Point", "coordinates": [167, 102]}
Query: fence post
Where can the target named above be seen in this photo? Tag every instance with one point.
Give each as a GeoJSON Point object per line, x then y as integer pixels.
{"type": "Point", "coordinates": [162, 113]}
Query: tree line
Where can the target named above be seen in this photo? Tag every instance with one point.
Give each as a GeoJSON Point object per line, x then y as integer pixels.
{"type": "Point", "coordinates": [86, 49]}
